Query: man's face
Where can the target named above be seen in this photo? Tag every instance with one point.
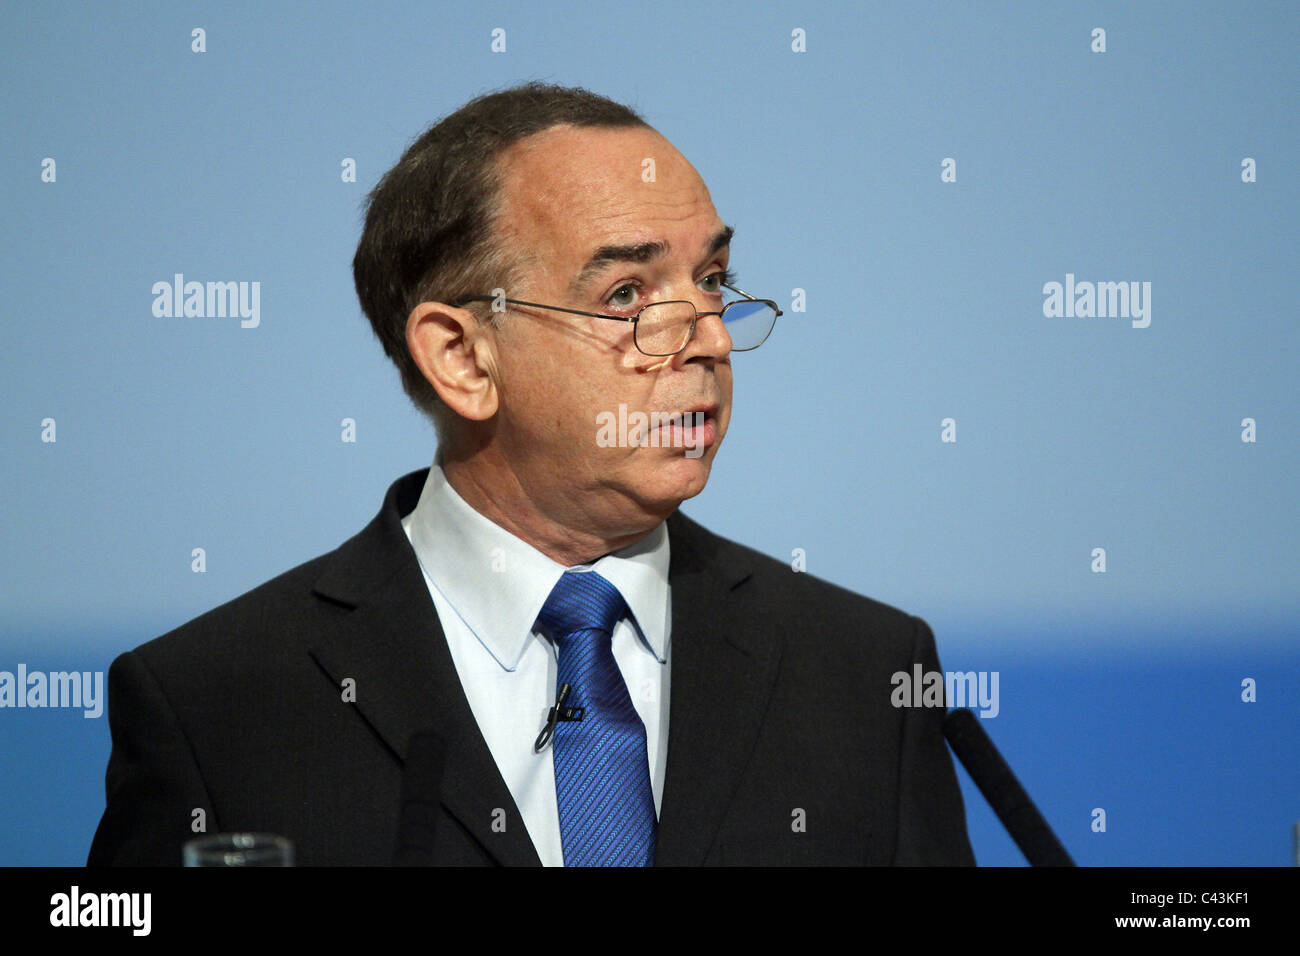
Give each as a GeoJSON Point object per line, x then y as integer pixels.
{"type": "Point", "coordinates": [592, 234]}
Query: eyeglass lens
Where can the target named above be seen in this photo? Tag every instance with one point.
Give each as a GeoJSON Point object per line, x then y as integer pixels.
{"type": "Point", "coordinates": [664, 328]}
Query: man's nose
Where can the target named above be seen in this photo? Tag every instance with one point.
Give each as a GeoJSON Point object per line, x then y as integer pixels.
{"type": "Point", "coordinates": [711, 338]}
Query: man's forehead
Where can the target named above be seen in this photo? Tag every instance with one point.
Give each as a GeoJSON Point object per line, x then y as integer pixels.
{"type": "Point", "coordinates": [599, 171]}
{"type": "Point", "coordinates": [566, 144]}
{"type": "Point", "coordinates": [589, 190]}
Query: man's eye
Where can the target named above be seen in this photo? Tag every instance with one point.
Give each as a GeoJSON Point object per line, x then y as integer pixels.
{"type": "Point", "coordinates": [624, 297]}
{"type": "Point", "coordinates": [714, 282]}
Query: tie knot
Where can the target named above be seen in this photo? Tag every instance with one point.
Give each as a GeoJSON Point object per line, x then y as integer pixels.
{"type": "Point", "coordinates": [582, 601]}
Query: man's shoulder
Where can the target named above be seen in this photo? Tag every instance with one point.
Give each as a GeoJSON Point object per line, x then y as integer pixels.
{"type": "Point", "coordinates": [774, 587]}
{"type": "Point", "coordinates": [280, 614]}
{"type": "Point", "coordinates": [268, 612]}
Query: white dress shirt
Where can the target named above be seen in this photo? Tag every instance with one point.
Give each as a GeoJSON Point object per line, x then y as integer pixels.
{"type": "Point", "coordinates": [488, 587]}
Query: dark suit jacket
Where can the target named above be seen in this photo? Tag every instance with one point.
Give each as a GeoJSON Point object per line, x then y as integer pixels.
{"type": "Point", "coordinates": [780, 703]}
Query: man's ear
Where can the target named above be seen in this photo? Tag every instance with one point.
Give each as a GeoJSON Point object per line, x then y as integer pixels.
{"type": "Point", "coordinates": [456, 354]}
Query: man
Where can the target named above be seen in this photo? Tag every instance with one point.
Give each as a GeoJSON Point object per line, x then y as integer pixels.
{"type": "Point", "coordinates": [565, 668]}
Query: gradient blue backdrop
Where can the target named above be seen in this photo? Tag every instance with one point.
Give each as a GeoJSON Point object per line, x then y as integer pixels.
{"type": "Point", "coordinates": [924, 301]}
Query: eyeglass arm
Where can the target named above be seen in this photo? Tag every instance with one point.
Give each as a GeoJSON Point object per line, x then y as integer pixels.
{"type": "Point", "coordinates": [537, 305]}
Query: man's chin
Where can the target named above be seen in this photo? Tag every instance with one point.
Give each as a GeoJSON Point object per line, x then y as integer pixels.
{"type": "Point", "coordinates": [677, 479]}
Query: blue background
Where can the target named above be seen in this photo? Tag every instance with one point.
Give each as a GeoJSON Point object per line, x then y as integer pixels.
{"type": "Point", "coordinates": [924, 301]}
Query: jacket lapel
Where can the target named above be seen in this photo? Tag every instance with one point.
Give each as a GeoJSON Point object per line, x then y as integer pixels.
{"type": "Point", "coordinates": [722, 675]}
{"type": "Point", "coordinates": [386, 637]}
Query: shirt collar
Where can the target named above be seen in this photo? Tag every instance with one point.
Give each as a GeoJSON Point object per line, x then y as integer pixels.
{"type": "Point", "coordinates": [497, 583]}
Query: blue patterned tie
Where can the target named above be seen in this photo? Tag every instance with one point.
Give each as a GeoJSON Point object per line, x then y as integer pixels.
{"type": "Point", "coordinates": [602, 774]}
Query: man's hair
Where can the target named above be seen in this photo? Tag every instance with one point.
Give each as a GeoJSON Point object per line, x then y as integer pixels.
{"type": "Point", "coordinates": [430, 232]}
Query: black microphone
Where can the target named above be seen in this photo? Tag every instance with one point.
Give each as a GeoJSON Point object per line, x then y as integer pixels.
{"type": "Point", "coordinates": [421, 806]}
{"type": "Point", "coordinates": [557, 714]}
{"type": "Point", "coordinates": [973, 747]}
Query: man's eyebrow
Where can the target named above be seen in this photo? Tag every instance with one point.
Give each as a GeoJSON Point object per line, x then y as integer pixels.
{"type": "Point", "coordinates": [721, 240]}
{"type": "Point", "coordinates": [637, 252]}
{"type": "Point", "coordinates": [640, 252]}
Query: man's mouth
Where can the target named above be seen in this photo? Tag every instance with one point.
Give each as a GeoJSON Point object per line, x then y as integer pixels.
{"type": "Point", "coordinates": [695, 428]}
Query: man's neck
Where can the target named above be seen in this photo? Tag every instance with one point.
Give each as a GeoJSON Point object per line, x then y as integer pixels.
{"type": "Point", "coordinates": [497, 494]}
